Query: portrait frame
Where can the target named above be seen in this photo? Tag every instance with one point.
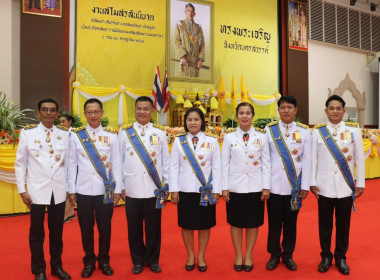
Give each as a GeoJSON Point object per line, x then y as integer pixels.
{"type": "Point", "coordinates": [37, 7]}
{"type": "Point", "coordinates": [297, 25]}
{"type": "Point", "coordinates": [205, 18]}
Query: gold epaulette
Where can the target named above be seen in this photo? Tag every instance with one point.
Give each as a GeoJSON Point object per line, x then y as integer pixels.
{"type": "Point", "coordinates": [272, 123]}
{"type": "Point", "coordinates": [110, 129]}
{"type": "Point", "coordinates": [62, 127]}
{"type": "Point", "coordinates": [320, 125]}
{"type": "Point", "coordinates": [75, 130]}
{"type": "Point", "coordinates": [303, 125]}
{"type": "Point", "coordinates": [180, 134]}
{"type": "Point", "coordinates": [128, 125]}
{"type": "Point", "coordinates": [260, 130]}
{"type": "Point", "coordinates": [29, 126]}
{"type": "Point", "coordinates": [353, 124]}
{"type": "Point", "coordinates": [230, 130]}
{"type": "Point", "coordinates": [211, 135]}
{"type": "Point", "coordinates": [159, 126]}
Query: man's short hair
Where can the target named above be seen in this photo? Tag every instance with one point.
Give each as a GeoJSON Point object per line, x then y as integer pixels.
{"type": "Point", "coordinates": [288, 99]}
{"type": "Point", "coordinates": [144, 98]}
{"type": "Point", "coordinates": [190, 5]}
{"type": "Point", "coordinates": [93, 100]}
{"type": "Point", "coordinates": [47, 100]}
{"type": "Point", "coordinates": [335, 97]}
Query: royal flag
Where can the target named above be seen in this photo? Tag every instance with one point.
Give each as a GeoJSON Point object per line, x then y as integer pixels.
{"type": "Point", "coordinates": [244, 97]}
{"type": "Point", "coordinates": [158, 100]}
{"type": "Point", "coordinates": [166, 92]}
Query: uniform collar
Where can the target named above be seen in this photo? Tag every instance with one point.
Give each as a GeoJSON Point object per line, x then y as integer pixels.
{"type": "Point", "coordinates": [139, 126]}
{"type": "Point", "coordinates": [199, 135]}
{"type": "Point", "coordinates": [96, 130]}
{"type": "Point", "coordinates": [45, 129]}
{"type": "Point", "coordinates": [335, 126]}
{"type": "Point", "coordinates": [242, 132]}
{"type": "Point", "coordinates": [287, 125]}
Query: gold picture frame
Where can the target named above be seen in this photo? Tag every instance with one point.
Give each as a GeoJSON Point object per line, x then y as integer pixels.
{"type": "Point", "coordinates": [180, 39]}
{"type": "Point", "coordinates": [297, 25]}
{"type": "Point", "coordinates": [49, 8]}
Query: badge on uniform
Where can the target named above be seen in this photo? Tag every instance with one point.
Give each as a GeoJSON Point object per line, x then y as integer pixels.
{"type": "Point", "coordinates": [206, 146]}
{"type": "Point", "coordinates": [257, 143]}
{"type": "Point", "coordinates": [105, 140]}
{"type": "Point", "coordinates": [296, 138]}
{"type": "Point", "coordinates": [347, 137]}
{"type": "Point", "coordinates": [154, 140]}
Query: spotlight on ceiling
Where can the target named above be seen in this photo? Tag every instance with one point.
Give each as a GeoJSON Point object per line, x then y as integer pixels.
{"type": "Point", "coordinates": [352, 2]}
{"type": "Point", "coordinates": [373, 7]}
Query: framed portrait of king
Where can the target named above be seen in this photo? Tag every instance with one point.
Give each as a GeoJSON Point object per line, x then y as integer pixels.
{"type": "Point", "coordinates": [297, 25]}
{"type": "Point", "coordinates": [190, 41]}
{"type": "Point", "coordinates": [50, 8]}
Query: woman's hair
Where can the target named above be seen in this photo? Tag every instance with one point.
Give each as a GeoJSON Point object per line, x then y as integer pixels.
{"type": "Point", "coordinates": [200, 113]}
{"type": "Point", "coordinates": [245, 104]}
{"type": "Point", "coordinates": [68, 117]}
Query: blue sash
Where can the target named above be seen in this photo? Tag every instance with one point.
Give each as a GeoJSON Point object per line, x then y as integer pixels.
{"type": "Point", "coordinates": [98, 164]}
{"type": "Point", "coordinates": [162, 189]}
{"type": "Point", "coordinates": [206, 189]}
{"type": "Point", "coordinates": [338, 157]}
{"type": "Point", "coordinates": [287, 160]}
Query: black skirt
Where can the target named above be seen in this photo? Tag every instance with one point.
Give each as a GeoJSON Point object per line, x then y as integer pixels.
{"type": "Point", "coordinates": [245, 210]}
{"type": "Point", "coordinates": [193, 216]}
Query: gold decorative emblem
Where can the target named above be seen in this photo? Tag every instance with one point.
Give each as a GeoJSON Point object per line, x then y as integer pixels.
{"type": "Point", "coordinates": [349, 158]}
{"type": "Point", "coordinates": [203, 163]}
{"type": "Point", "coordinates": [83, 154]}
{"type": "Point", "coordinates": [108, 165]}
{"type": "Point", "coordinates": [62, 163]}
{"type": "Point", "coordinates": [345, 149]}
{"type": "Point", "coordinates": [287, 134]}
{"type": "Point", "coordinates": [36, 155]}
{"type": "Point", "coordinates": [48, 139]}
{"type": "Point", "coordinates": [51, 151]}
{"type": "Point", "coordinates": [200, 157]}
{"type": "Point", "coordinates": [131, 153]}
{"type": "Point", "coordinates": [206, 197]}
{"type": "Point", "coordinates": [153, 153]}
{"type": "Point", "coordinates": [57, 157]}
{"type": "Point", "coordinates": [294, 151]}
{"type": "Point", "coordinates": [59, 137]}
{"type": "Point", "coordinates": [250, 156]}
{"type": "Point", "coordinates": [298, 158]}
{"type": "Point", "coordinates": [255, 163]}
{"type": "Point", "coordinates": [155, 161]}
{"type": "Point", "coordinates": [184, 157]}
{"type": "Point", "coordinates": [104, 157]}
{"type": "Point", "coordinates": [143, 133]}
{"type": "Point", "coordinates": [162, 201]}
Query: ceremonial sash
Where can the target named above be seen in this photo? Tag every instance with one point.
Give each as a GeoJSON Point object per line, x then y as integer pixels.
{"type": "Point", "coordinates": [162, 189]}
{"type": "Point", "coordinates": [98, 164]}
{"type": "Point", "coordinates": [287, 160]}
{"type": "Point", "coordinates": [339, 158]}
{"type": "Point", "coordinates": [206, 189]}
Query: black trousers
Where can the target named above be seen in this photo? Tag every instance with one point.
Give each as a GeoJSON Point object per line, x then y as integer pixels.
{"type": "Point", "coordinates": [91, 208]}
{"type": "Point", "coordinates": [138, 210]}
{"type": "Point", "coordinates": [56, 213]}
{"type": "Point", "coordinates": [342, 208]}
{"type": "Point", "coordinates": [36, 4]}
{"type": "Point", "coordinates": [281, 218]}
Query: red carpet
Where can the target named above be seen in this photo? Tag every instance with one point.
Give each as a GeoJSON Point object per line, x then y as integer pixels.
{"type": "Point", "coordinates": [363, 255]}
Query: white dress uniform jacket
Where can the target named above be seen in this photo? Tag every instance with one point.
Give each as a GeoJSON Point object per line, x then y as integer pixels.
{"type": "Point", "coordinates": [246, 168]}
{"type": "Point", "coordinates": [137, 181]}
{"type": "Point", "coordinates": [301, 155]}
{"type": "Point", "coordinates": [326, 174]}
{"type": "Point", "coordinates": [88, 181]}
{"type": "Point", "coordinates": [43, 163]}
{"type": "Point", "coordinates": [207, 153]}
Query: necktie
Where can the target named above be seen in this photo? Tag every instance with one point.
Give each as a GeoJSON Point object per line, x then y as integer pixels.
{"type": "Point", "coordinates": [246, 138]}
{"type": "Point", "coordinates": [195, 141]}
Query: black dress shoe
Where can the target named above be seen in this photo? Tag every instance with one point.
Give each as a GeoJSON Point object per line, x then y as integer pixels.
{"type": "Point", "coordinates": [155, 268]}
{"type": "Point", "coordinates": [137, 268]}
{"type": "Point", "coordinates": [202, 268]}
{"type": "Point", "coordinates": [272, 263]}
{"type": "Point", "coordinates": [87, 271]}
{"type": "Point", "coordinates": [106, 269]}
{"type": "Point", "coordinates": [324, 265]}
{"type": "Point", "coordinates": [290, 264]}
{"type": "Point", "coordinates": [238, 267]}
{"type": "Point", "coordinates": [61, 274]}
{"type": "Point", "coordinates": [40, 276]}
{"type": "Point", "coordinates": [342, 266]}
{"type": "Point", "coordinates": [247, 268]}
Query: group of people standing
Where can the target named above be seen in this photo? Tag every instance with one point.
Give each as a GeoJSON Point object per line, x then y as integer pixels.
{"type": "Point", "coordinates": [94, 167]}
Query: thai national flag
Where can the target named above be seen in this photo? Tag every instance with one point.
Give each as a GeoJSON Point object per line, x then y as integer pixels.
{"type": "Point", "coordinates": [158, 100]}
{"type": "Point", "coordinates": [166, 92]}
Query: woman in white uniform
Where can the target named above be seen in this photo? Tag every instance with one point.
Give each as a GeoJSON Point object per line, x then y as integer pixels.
{"type": "Point", "coordinates": [195, 184]}
{"type": "Point", "coordinates": [246, 182]}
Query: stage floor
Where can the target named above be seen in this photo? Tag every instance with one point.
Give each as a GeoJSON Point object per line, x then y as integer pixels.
{"type": "Point", "coordinates": [363, 255]}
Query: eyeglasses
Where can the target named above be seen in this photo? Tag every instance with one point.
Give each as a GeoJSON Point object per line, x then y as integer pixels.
{"type": "Point", "coordinates": [51, 110]}
{"type": "Point", "coordinates": [95, 113]}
